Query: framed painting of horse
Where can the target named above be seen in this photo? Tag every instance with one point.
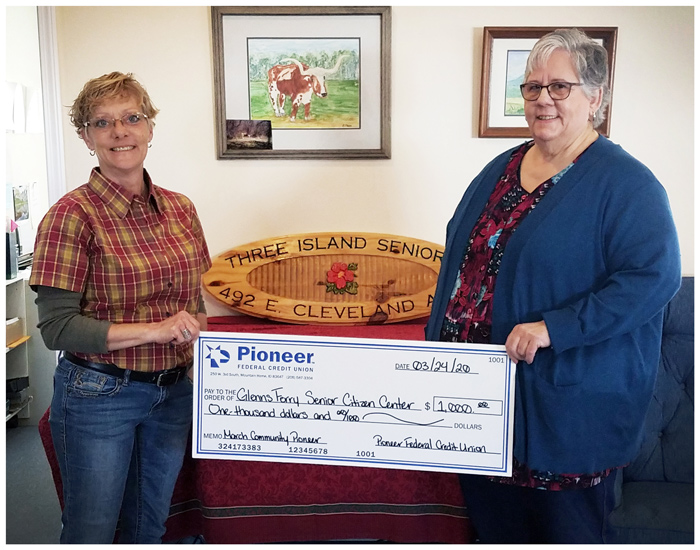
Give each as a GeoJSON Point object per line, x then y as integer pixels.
{"type": "Point", "coordinates": [320, 76]}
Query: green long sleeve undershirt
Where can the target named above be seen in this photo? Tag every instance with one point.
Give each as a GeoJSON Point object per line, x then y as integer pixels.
{"type": "Point", "coordinates": [63, 327]}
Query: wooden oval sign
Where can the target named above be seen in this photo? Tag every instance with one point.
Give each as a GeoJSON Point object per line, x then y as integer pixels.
{"type": "Point", "coordinates": [328, 278]}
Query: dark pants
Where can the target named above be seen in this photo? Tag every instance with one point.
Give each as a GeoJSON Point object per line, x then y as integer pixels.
{"type": "Point", "coordinates": [507, 514]}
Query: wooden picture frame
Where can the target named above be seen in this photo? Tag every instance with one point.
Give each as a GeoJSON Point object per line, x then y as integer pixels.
{"type": "Point", "coordinates": [499, 43]}
{"type": "Point", "coordinates": [258, 48]}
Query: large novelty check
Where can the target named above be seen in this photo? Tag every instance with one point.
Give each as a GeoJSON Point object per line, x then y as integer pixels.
{"type": "Point", "coordinates": [354, 402]}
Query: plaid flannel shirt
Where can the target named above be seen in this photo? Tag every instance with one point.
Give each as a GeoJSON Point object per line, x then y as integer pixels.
{"type": "Point", "coordinates": [134, 260]}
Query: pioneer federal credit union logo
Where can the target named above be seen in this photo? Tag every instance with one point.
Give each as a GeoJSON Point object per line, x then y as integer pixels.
{"type": "Point", "coordinates": [217, 355]}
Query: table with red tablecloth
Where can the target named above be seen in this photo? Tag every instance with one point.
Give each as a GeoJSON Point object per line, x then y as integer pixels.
{"type": "Point", "coordinates": [229, 501]}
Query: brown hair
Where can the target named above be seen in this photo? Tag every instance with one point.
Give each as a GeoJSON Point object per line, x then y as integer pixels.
{"type": "Point", "coordinates": [106, 87]}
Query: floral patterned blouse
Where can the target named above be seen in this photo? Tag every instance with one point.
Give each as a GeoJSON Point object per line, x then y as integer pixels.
{"type": "Point", "coordinates": [469, 311]}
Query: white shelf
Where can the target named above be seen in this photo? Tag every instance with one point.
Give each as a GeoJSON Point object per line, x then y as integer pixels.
{"type": "Point", "coordinates": [8, 282]}
{"type": "Point", "coordinates": [16, 352]}
{"type": "Point", "coordinates": [14, 411]}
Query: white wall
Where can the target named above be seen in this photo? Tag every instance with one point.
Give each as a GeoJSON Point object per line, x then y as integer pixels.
{"type": "Point", "coordinates": [435, 151]}
{"type": "Point", "coordinates": [25, 156]}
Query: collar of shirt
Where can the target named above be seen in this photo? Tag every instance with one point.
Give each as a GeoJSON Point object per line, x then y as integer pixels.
{"type": "Point", "coordinates": [115, 197]}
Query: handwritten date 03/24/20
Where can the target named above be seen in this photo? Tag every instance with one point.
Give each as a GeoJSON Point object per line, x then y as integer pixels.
{"type": "Point", "coordinates": [435, 365]}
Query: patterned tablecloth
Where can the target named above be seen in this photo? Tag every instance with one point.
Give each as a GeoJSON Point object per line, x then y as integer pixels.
{"type": "Point", "coordinates": [261, 502]}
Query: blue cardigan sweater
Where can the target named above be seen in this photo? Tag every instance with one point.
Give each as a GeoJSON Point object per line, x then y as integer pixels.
{"type": "Point", "coordinates": [598, 260]}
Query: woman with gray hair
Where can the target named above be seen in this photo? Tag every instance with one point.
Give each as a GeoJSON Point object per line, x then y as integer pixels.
{"type": "Point", "coordinates": [563, 249]}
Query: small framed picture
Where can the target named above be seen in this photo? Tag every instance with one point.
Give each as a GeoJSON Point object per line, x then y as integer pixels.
{"type": "Point", "coordinates": [248, 134]}
{"type": "Point", "coordinates": [505, 52]}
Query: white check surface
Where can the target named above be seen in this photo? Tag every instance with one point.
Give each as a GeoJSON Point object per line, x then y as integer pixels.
{"type": "Point", "coordinates": [356, 402]}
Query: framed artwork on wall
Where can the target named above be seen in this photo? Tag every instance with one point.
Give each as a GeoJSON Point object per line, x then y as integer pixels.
{"type": "Point", "coordinates": [504, 54]}
{"type": "Point", "coordinates": [319, 75]}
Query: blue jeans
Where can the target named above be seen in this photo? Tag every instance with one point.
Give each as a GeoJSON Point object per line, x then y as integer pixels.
{"type": "Point", "coordinates": [120, 446]}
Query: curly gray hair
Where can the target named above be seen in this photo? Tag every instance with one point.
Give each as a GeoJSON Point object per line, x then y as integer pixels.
{"type": "Point", "coordinates": [589, 58]}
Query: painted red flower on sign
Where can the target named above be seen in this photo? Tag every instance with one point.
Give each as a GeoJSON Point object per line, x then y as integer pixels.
{"type": "Point", "coordinates": [339, 274]}
{"type": "Point", "coordinates": [341, 278]}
